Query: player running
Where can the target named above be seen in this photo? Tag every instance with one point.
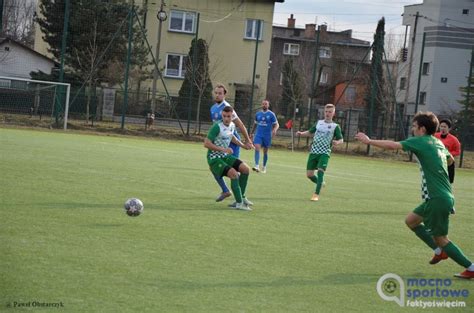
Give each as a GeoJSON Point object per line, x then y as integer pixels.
{"type": "Point", "coordinates": [430, 220]}
{"type": "Point", "coordinates": [326, 133]}
{"type": "Point", "coordinates": [265, 128]}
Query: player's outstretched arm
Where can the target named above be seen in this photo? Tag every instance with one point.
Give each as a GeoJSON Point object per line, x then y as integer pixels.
{"type": "Point", "coordinates": [209, 145]}
{"type": "Point", "coordinates": [303, 134]}
{"type": "Point", "coordinates": [384, 144]}
{"type": "Point", "coordinates": [337, 142]}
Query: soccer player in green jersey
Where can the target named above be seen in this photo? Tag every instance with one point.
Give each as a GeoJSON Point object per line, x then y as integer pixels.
{"type": "Point", "coordinates": [430, 220]}
{"type": "Point", "coordinates": [223, 163]}
{"type": "Point", "coordinates": [326, 133]}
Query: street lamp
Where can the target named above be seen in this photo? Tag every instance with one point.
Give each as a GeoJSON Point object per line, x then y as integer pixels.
{"type": "Point", "coordinates": [161, 16]}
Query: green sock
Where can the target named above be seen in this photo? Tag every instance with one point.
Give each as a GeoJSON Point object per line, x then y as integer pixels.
{"type": "Point", "coordinates": [421, 232]}
{"type": "Point", "coordinates": [320, 182]}
{"type": "Point", "coordinates": [314, 179]}
{"type": "Point", "coordinates": [235, 186]}
{"type": "Point", "coordinates": [243, 179]}
{"type": "Point", "coordinates": [456, 254]}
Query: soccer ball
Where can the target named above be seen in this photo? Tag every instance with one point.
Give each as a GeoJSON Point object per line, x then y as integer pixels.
{"type": "Point", "coordinates": [133, 207]}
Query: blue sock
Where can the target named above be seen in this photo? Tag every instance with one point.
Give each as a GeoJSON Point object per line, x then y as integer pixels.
{"type": "Point", "coordinates": [257, 157]}
{"type": "Point", "coordinates": [265, 159]}
{"type": "Point", "coordinates": [221, 183]}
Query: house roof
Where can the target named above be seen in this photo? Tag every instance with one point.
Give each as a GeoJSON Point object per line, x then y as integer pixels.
{"type": "Point", "coordinates": [337, 38]}
{"type": "Point", "coordinates": [6, 40]}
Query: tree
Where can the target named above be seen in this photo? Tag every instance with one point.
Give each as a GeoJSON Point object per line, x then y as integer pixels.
{"type": "Point", "coordinates": [467, 112]}
{"type": "Point", "coordinates": [18, 20]}
{"type": "Point", "coordinates": [292, 92]}
{"type": "Point", "coordinates": [200, 81]}
{"type": "Point", "coordinates": [375, 105]}
{"type": "Point", "coordinates": [96, 41]}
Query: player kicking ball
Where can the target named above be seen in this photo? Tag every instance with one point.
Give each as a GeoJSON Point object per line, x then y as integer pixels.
{"type": "Point", "coordinates": [223, 163]}
{"type": "Point", "coordinates": [326, 133]}
{"type": "Point", "coordinates": [430, 220]}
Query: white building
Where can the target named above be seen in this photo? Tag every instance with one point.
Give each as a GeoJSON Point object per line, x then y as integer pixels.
{"type": "Point", "coordinates": [18, 60]}
{"type": "Point", "coordinates": [449, 28]}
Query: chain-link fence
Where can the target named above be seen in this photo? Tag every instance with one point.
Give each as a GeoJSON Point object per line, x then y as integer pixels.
{"type": "Point", "coordinates": [115, 76]}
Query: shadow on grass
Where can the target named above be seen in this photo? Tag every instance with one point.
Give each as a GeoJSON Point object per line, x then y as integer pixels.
{"type": "Point", "coordinates": [333, 279]}
{"type": "Point", "coordinates": [329, 212]}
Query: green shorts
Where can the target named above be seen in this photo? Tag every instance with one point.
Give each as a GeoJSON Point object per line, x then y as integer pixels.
{"type": "Point", "coordinates": [435, 213]}
{"type": "Point", "coordinates": [316, 161]}
{"type": "Point", "coordinates": [219, 165]}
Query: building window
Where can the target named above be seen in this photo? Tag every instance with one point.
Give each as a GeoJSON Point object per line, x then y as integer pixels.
{"type": "Point", "coordinates": [465, 11]}
{"type": "Point", "coordinates": [251, 27]}
{"type": "Point", "coordinates": [324, 78]}
{"type": "Point", "coordinates": [291, 49]}
{"type": "Point", "coordinates": [5, 83]}
{"type": "Point", "coordinates": [324, 52]}
{"type": "Point", "coordinates": [422, 97]}
{"type": "Point", "coordinates": [426, 68]}
{"type": "Point", "coordinates": [403, 83]}
{"type": "Point", "coordinates": [350, 94]}
{"type": "Point", "coordinates": [181, 21]}
{"type": "Point", "coordinates": [175, 65]}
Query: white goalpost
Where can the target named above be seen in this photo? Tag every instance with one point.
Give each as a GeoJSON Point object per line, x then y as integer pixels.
{"type": "Point", "coordinates": [21, 95]}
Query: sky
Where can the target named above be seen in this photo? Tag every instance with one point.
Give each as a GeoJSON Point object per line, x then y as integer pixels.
{"type": "Point", "coordinates": [359, 15]}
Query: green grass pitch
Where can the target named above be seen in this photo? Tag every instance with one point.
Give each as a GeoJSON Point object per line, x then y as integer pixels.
{"type": "Point", "coordinates": [65, 238]}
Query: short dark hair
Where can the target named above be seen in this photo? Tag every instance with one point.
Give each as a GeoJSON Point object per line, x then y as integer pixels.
{"type": "Point", "coordinates": [447, 122]}
{"type": "Point", "coordinates": [221, 86]}
{"type": "Point", "coordinates": [427, 120]}
{"type": "Point", "coordinates": [228, 108]}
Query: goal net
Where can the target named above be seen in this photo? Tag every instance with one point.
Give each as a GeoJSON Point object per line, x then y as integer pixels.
{"type": "Point", "coordinates": [34, 98]}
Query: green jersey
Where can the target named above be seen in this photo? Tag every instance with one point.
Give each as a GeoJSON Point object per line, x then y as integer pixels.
{"type": "Point", "coordinates": [432, 158]}
{"type": "Point", "coordinates": [324, 133]}
{"type": "Point", "coordinates": [221, 136]}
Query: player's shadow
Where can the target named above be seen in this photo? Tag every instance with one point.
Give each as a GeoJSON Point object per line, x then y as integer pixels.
{"type": "Point", "coordinates": [333, 279]}
{"type": "Point", "coordinates": [190, 205]}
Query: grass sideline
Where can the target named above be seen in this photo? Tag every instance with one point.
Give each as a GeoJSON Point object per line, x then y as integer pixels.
{"type": "Point", "coordinates": [65, 237]}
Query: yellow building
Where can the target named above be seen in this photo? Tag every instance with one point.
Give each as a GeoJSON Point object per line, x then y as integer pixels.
{"type": "Point", "coordinates": [230, 29]}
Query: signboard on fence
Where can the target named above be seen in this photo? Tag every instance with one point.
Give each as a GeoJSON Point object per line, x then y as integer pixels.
{"type": "Point", "coordinates": [109, 102]}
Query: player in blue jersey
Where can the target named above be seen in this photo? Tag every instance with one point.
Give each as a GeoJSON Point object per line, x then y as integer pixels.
{"type": "Point", "coordinates": [265, 128]}
{"type": "Point", "coordinates": [216, 116]}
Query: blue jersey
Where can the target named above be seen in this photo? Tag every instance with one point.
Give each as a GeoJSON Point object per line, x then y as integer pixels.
{"type": "Point", "coordinates": [265, 122]}
{"type": "Point", "coordinates": [216, 111]}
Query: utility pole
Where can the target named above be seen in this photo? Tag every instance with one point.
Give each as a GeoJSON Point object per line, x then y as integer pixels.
{"type": "Point", "coordinates": [57, 107]}
{"type": "Point", "coordinates": [193, 73]}
{"type": "Point", "coordinates": [420, 71]}
{"type": "Point", "coordinates": [314, 84]}
{"type": "Point", "coordinates": [257, 39]}
{"type": "Point", "coordinates": [161, 16]}
{"type": "Point", "coordinates": [127, 65]}
{"type": "Point", "coordinates": [410, 62]}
